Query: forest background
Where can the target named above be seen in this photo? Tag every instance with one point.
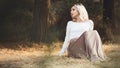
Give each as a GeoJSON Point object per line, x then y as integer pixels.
{"type": "Point", "coordinates": [45, 21]}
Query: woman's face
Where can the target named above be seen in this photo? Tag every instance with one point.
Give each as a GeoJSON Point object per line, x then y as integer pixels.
{"type": "Point", "coordinates": [74, 12]}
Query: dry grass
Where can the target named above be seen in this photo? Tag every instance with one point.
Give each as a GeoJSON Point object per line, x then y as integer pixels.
{"type": "Point", "coordinates": [47, 57]}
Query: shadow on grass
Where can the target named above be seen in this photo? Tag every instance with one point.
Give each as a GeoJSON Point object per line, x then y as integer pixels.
{"type": "Point", "coordinates": [10, 64]}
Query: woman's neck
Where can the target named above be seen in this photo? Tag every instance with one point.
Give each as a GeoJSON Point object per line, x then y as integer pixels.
{"type": "Point", "coordinates": [78, 20]}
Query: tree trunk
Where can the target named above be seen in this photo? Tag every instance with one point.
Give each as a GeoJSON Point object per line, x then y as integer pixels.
{"type": "Point", "coordinates": [40, 19]}
{"type": "Point", "coordinates": [108, 19]}
{"type": "Point", "coordinates": [108, 12]}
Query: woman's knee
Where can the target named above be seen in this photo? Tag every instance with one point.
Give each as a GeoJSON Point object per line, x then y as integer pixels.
{"type": "Point", "coordinates": [92, 32]}
{"type": "Point", "coordinates": [89, 32]}
{"type": "Point", "coordinates": [95, 31]}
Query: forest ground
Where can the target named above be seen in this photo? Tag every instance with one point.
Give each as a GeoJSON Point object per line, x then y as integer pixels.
{"type": "Point", "coordinates": [42, 56]}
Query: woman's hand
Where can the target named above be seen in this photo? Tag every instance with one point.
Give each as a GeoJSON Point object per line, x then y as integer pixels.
{"type": "Point", "coordinates": [61, 53]}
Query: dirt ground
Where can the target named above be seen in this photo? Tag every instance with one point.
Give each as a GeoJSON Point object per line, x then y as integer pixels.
{"type": "Point", "coordinates": [47, 57]}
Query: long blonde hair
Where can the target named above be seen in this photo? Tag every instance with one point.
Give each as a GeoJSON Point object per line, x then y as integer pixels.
{"type": "Point", "coordinates": [83, 12]}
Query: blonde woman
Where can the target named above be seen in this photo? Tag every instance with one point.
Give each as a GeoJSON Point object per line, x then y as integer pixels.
{"type": "Point", "coordinates": [81, 40]}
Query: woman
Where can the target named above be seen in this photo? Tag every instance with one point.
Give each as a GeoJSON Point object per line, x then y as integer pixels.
{"type": "Point", "coordinates": [81, 40]}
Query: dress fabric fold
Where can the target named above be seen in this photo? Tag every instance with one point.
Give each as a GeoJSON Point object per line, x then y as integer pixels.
{"type": "Point", "coordinates": [88, 45]}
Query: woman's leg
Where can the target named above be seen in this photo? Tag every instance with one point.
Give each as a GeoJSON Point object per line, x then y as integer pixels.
{"type": "Point", "coordinates": [77, 47]}
{"type": "Point", "coordinates": [94, 48]}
